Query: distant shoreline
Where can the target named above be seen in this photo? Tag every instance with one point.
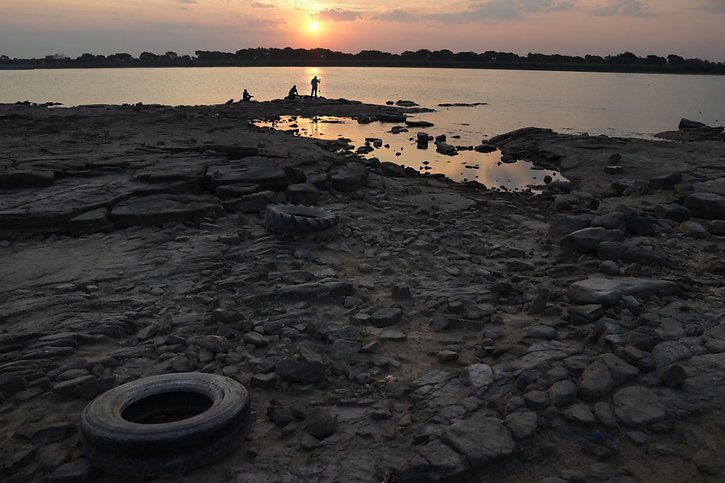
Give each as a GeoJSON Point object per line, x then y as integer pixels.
{"type": "Point", "coordinates": [496, 66]}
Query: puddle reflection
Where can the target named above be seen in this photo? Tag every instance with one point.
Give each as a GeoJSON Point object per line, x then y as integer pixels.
{"type": "Point", "coordinates": [398, 143]}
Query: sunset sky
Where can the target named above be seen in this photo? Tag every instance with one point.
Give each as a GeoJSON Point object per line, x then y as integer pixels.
{"type": "Point", "coordinates": [690, 28]}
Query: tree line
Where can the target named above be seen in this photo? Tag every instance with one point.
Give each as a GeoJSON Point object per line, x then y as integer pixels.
{"type": "Point", "coordinates": [260, 56]}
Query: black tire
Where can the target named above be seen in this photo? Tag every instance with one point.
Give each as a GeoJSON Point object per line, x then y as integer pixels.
{"type": "Point", "coordinates": [298, 220]}
{"type": "Point", "coordinates": [120, 435]}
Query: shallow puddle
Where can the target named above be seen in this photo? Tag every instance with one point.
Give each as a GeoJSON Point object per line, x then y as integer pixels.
{"type": "Point", "coordinates": [397, 143]}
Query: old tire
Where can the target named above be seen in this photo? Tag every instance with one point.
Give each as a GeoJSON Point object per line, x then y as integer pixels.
{"type": "Point", "coordinates": [209, 416]}
{"type": "Point", "coordinates": [298, 220]}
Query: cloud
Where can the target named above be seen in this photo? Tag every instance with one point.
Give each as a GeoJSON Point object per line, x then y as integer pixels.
{"type": "Point", "coordinates": [623, 8]}
{"type": "Point", "coordinates": [339, 15]}
{"type": "Point", "coordinates": [493, 10]}
{"type": "Point", "coordinates": [713, 6]}
{"type": "Point", "coordinates": [261, 5]}
{"type": "Point", "coordinates": [397, 16]}
{"type": "Point", "coordinates": [186, 1]}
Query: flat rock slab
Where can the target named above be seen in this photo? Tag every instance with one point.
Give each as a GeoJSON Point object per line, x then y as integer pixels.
{"type": "Point", "coordinates": [605, 291]}
{"type": "Point", "coordinates": [160, 209]}
{"type": "Point", "coordinates": [637, 406]}
{"type": "Point", "coordinates": [479, 438]}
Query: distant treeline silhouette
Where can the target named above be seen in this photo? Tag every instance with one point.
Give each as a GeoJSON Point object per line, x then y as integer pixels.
{"type": "Point", "coordinates": [624, 62]}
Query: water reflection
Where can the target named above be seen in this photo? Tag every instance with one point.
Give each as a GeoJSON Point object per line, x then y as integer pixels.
{"type": "Point", "coordinates": [398, 143]}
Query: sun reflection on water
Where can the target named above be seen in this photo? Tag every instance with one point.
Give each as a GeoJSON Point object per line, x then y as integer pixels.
{"type": "Point", "coordinates": [397, 143]}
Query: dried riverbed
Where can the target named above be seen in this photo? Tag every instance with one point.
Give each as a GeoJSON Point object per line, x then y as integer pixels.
{"type": "Point", "coordinates": [445, 333]}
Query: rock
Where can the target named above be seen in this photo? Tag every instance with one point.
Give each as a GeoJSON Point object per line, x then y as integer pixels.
{"type": "Point", "coordinates": [595, 382]}
{"type": "Point", "coordinates": [587, 240]}
{"type": "Point", "coordinates": [536, 399]}
{"type": "Point", "coordinates": [345, 349]}
{"type": "Point", "coordinates": [480, 376]}
{"type": "Point", "coordinates": [160, 209]}
{"type": "Point", "coordinates": [706, 205]}
{"type": "Point", "coordinates": [568, 224]}
{"type": "Point", "coordinates": [446, 356]}
{"type": "Point", "coordinates": [521, 423]}
{"type": "Point", "coordinates": [479, 438]}
{"type": "Point", "coordinates": [637, 406]}
{"type": "Point", "coordinates": [321, 423]}
{"type": "Point", "coordinates": [596, 290]}
{"type": "Point", "coordinates": [91, 222]}
{"type": "Point", "coordinates": [620, 370]}
{"type": "Point", "coordinates": [562, 393]}
{"type": "Point", "coordinates": [401, 292]}
{"type": "Point", "coordinates": [669, 352]}
{"type": "Point", "coordinates": [580, 413]}
{"type": "Point", "coordinates": [614, 220]}
{"type": "Point", "coordinates": [78, 471]}
{"type": "Point", "coordinates": [348, 179]}
{"type": "Point", "coordinates": [608, 267]}
{"type": "Point", "coordinates": [305, 194]}
{"type": "Point", "coordinates": [673, 376]}
{"type": "Point", "coordinates": [304, 372]}
{"type": "Point", "coordinates": [630, 254]}
{"type": "Point", "coordinates": [386, 317]}
{"type": "Point", "coordinates": [254, 170]}
{"type": "Point", "coordinates": [392, 170]}
{"type": "Point", "coordinates": [666, 181]}
{"type": "Point", "coordinates": [672, 211]}
{"type": "Point", "coordinates": [694, 230]}
{"type": "Point", "coordinates": [716, 227]}
{"type": "Point", "coordinates": [23, 179]}
{"type": "Point", "coordinates": [485, 148]}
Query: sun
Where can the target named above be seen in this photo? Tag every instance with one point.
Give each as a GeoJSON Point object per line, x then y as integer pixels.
{"type": "Point", "coordinates": [313, 26]}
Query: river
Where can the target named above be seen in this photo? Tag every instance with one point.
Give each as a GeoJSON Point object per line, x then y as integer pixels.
{"type": "Point", "coordinates": [615, 104]}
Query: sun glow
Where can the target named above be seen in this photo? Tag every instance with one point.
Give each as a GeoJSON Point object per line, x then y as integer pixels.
{"type": "Point", "coordinates": [314, 26]}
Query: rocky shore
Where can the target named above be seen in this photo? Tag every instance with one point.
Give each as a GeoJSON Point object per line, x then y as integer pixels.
{"type": "Point", "coordinates": [442, 333]}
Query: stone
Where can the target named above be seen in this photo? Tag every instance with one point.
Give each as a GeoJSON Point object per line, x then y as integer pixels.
{"type": "Point", "coordinates": [78, 471]}
{"type": "Point", "coordinates": [522, 424]}
{"type": "Point", "coordinates": [674, 375]}
{"type": "Point", "coordinates": [480, 376]}
{"type": "Point", "coordinates": [23, 179]}
{"type": "Point", "coordinates": [568, 224]}
{"type": "Point", "coordinates": [348, 179]}
{"type": "Point", "coordinates": [694, 229]}
{"type": "Point", "coordinates": [597, 290]}
{"type": "Point", "coordinates": [91, 222]}
{"type": "Point", "coordinates": [159, 209]}
{"type": "Point", "coordinates": [623, 252]}
{"type": "Point", "coordinates": [321, 423]}
{"type": "Point", "coordinates": [710, 206]}
{"type": "Point", "coordinates": [562, 393]}
{"type": "Point", "coordinates": [716, 227]}
{"type": "Point", "coordinates": [666, 181]}
{"type": "Point", "coordinates": [580, 413]}
{"type": "Point", "coordinates": [673, 211]}
{"type": "Point", "coordinates": [637, 406]}
{"type": "Point", "coordinates": [587, 240]}
{"type": "Point", "coordinates": [304, 372]}
{"type": "Point", "coordinates": [386, 317]}
{"type": "Point", "coordinates": [620, 370]}
{"type": "Point", "coordinates": [345, 350]}
{"type": "Point", "coordinates": [614, 220]}
{"type": "Point", "coordinates": [479, 438]}
{"type": "Point", "coordinates": [305, 194]}
{"type": "Point", "coordinates": [595, 382]}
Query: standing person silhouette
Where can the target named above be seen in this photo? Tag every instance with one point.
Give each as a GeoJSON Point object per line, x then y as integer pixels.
{"type": "Point", "coordinates": [314, 82]}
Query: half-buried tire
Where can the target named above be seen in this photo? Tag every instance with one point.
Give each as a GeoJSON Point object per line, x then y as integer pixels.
{"type": "Point", "coordinates": [299, 220]}
{"type": "Point", "coordinates": [165, 423]}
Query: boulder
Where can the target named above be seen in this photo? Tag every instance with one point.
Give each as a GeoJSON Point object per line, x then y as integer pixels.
{"type": "Point", "coordinates": [706, 205]}
{"type": "Point", "coordinates": [91, 222]}
{"type": "Point", "coordinates": [637, 406]}
{"type": "Point", "coordinates": [303, 194]}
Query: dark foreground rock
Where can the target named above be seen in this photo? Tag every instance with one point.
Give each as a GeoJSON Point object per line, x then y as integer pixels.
{"type": "Point", "coordinates": [441, 332]}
